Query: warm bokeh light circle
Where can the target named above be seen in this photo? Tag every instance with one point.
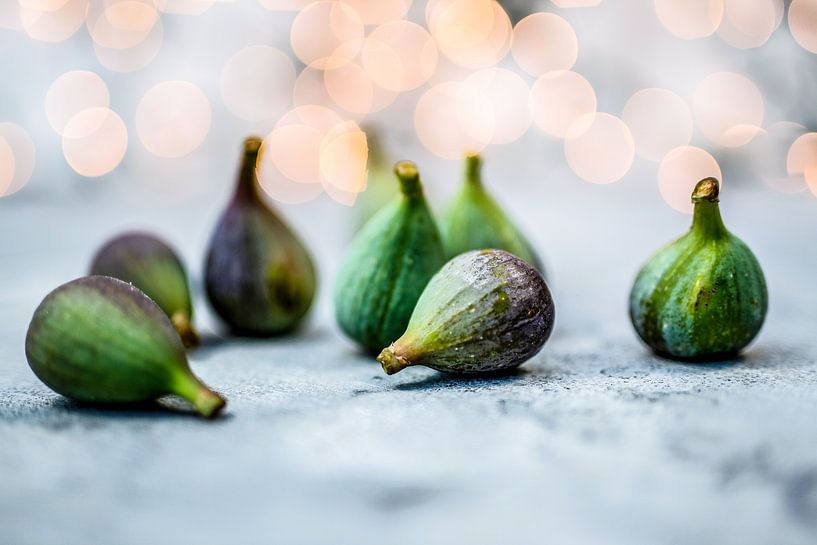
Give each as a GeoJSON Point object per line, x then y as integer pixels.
{"type": "Point", "coordinates": [728, 108]}
{"type": "Point", "coordinates": [509, 97]}
{"type": "Point", "coordinates": [470, 33]}
{"type": "Point", "coordinates": [134, 58]}
{"type": "Point", "coordinates": [256, 83]}
{"type": "Point", "coordinates": [399, 56]}
{"type": "Point", "coordinates": [680, 170]}
{"type": "Point", "coordinates": [123, 24]}
{"type": "Point", "coordinates": [173, 119]}
{"type": "Point", "coordinates": [802, 155]}
{"type": "Point", "coordinates": [659, 120]}
{"type": "Point", "coordinates": [24, 159]}
{"type": "Point", "coordinates": [599, 148]}
{"type": "Point", "coordinates": [746, 25]}
{"type": "Point", "coordinates": [559, 98]}
{"type": "Point", "coordinates": [7, 166]}
{"type": "Point", "coordinates": [352, 89]}
{"type": "Point", "coordinates": [94, 142]}
{"type": "Point", "coordinates": [803, 23]}
{"type": "Point", "coordinates": [54, 25]}
{"type": "Point", "coordinates": [377, 12]}
{"type": "Point", "coordinates": [690, 19]}
{"type": "Point", "coordinates": [71, 93]}
{"type": "Point", "coordinates": [326, 34]}
{"type": "Point", "coordinates": [544, 42]}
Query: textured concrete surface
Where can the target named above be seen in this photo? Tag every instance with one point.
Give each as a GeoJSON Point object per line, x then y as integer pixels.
{"type": "Point", "coordinates": [593, 441]}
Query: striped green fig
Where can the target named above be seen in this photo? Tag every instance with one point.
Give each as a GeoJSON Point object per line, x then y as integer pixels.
{"type": "Point", "coordinates": [702, 297]}
{"type": "Point", "coordinates": [152, 266]}
{"type": "Point", "coordinates": [475, 221]}
{"type": "Point", "coordinates": [388, 265]}
{"type": "Point", "coordinates": [98, 339]}
{"type": "Point", "coordinates": [259, 277]}
{"type": "Point", "coordinates": [485, 311]}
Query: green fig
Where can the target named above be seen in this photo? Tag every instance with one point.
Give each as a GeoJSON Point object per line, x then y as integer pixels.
{"type": "Point", "coordinates": [485, 311]}
{"type": "Point", "coordinates": [98, 339]}
{"type": "Point", "coordinates": [259, 277]}
{"type": "Point", "coordinates": [380, 187]}
{"type": "Point", "coordinates": [152, 266]}
{"type": "Point", "coordinates": [388, 265]}
{"type": "Point", "coordinates": [704, 295]}
{"type": "Point", "coordinates": [475, 221]}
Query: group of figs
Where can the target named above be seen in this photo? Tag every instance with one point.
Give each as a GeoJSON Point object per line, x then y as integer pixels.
{"type": "Point", "coordinates": [466, 297]}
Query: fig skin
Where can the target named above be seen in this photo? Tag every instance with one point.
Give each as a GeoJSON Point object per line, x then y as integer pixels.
{"type": "Point", "coordinates": [98, 339]}
{"type": "Point", "coordinates": [151, 265]}
{"type": "Point", "coordinates": [486, 311]}
{"type": "Point", "coordinates": [475, 221]}
{"type": "Point", "coordinates": [387, 266]}
{"type": "Point", "coordinates": [259, 277]}
{"type": "Point", "coordinates": [702, 297]}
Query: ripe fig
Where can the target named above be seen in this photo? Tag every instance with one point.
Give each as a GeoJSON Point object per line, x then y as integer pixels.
{"type": "Point", "coordinates": [475, 221]}
{"type": "Point", "coordinates": [98, 339]}
{"type": "Point", "coordinates": [703, 296]}
{"type": "Point", "coordinates": [259, 277]}
{"type": "Point", "coordinates": [388, 265]}
{"type": "Point", "coordinates": [152, 266]}
{"type": "Point", "coordinates": [485, 311]}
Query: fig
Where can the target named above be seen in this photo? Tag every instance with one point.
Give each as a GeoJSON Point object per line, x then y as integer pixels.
{"type": "Point", "coordinates": [152, 266]}
{"type": "Point", "coordinates": [387, 266]}
{"type": "Point", "coordinates": [486, 311]}
{"type": "Point", "coordinates": [702, 297]}
{"type": "Point", "coordinates": [475, 221]}
{"type": "Point", "coordinates": [259, 277]}
{"type": "Point", "coordinates": [99, 339]}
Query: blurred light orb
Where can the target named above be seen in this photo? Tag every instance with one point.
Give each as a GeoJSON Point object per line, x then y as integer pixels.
{"type": "Point", "coordinates": [256, 83]}
{"type": "Point", "coordinates": [559, 98]}
{"type": "Point", "coordinates": [24, 158]}
{"type": "Point", "coordinates": [284, 5]}
{"type": "Point", "coordinates": [343, 156]}
{"type": "Point", "coordinates": [310, 89]}
{"type": "Point", "coordinates": [659, 120]}
{"type": "Point", "coordinates": [599, 148]}
{"type": "Point", "coordinates": [94, 142]}
{"type": "Point", "coordinates": [728, 108]}
{"type": "Point", "coordinates": [173, 119]}
{"type": "Point", "coordinates": [452, 119]}
{"type": "Point", "coordinates": [576, 3]}
{"type": "Point", "coordinates": [42, 5]}
{"type": "Point", "coordinates": [134, 58]}
{"type": "Point", "coordinates": [471, 33]}
{"type": "Point", "coordinates": [399, 56]}
{"type": "Point", "coordinates": [185, 7]}
{"type": "Point", "coordinates": [295, 142]}
{"type": "Point", "coordinates": [7, 166]}
{"type": "Point", "coordinates": [747, 25]}
{"type": "Point", "coordinates": [71, 93]}
{"type": "Point", "coordinates": [803, 23]}
{"type": "Point", "coordinates": [326, 35]}
{"type": "Point", "coordinates": [123, 24]}
{"type": "Point", "coordinates": [544, 42]}
{"type": "Point", "coordinates": [378, 12]}
{"type": "Point", "coordinates": [55, 25]}
{"type": "Point", "coordinates": [680, 170]}
{"type": "Point", "coordinates": [811, 179]}
{"type": "Point", "coordinates": [690, 19]}
{"type": "Point", "coordinates": [802, 155]}
{"type": "Point", "coordinates": [509, 97]}
{"type": "Point", "coordinates": [352, 89]}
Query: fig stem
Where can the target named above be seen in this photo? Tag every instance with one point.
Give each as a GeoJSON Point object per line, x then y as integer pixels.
{"type": "Point", "coordinates": [409, 178]}
{"type": "Point", "coordinates": [247, 187]}
{"type": "Point", "coordinates": [473, 167]}
{"type": "Point", "coordinates": [181, 321]}
{"type": "Point", "coordinates": [391, 361]}
{"type": "Point", "coordinates": [706, 219]}
{"type": "Point", "coordinates": [207, 402]}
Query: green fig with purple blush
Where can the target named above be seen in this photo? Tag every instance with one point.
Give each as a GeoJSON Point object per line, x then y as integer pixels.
{"type": "Point", "coordinates": [100, 340]}
{"type": "Point", "coordinates": [151, 265]}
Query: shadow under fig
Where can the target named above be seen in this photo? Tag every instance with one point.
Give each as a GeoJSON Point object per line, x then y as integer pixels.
{"type": "Point", "coordinates": [166, 407]}
{"type": "Point", "coordinates": [439, 381]}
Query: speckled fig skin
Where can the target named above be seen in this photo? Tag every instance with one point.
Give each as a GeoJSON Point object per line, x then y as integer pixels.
{"type": "Point", "coordinates": [702, 297]}
{"type": "Point", "coordinates": [152, 266]}
{"type": "Point", "coordinates": [475, 221]}
{"type": "Point", "coordinates": [259, 277]}
{"type": "Point", "coordinates": [98, 339]}
{"type": "Point", "coordinates": [387, 266]}
{"type": "Point", "coordinates": [486, 311]}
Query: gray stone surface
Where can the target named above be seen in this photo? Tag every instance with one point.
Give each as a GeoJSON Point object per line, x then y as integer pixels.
{"type": "Point", "coordinates": [593, 441]}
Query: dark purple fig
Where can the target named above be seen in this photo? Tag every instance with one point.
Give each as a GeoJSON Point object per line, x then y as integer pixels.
{"type": "Point", "coordinates": [98, 339]}
{"type": "Point", "coordinates": [152, 266]}
{"type": "Point", "coordinates": [259, 277]}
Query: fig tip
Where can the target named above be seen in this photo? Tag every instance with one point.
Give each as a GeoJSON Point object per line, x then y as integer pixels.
{"type": "Point", "coordinates": [252, 144]}
{"type": "Point", "coordinates": [391, 361]}
{"type": "Point", "coordinates": [707, 190]}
